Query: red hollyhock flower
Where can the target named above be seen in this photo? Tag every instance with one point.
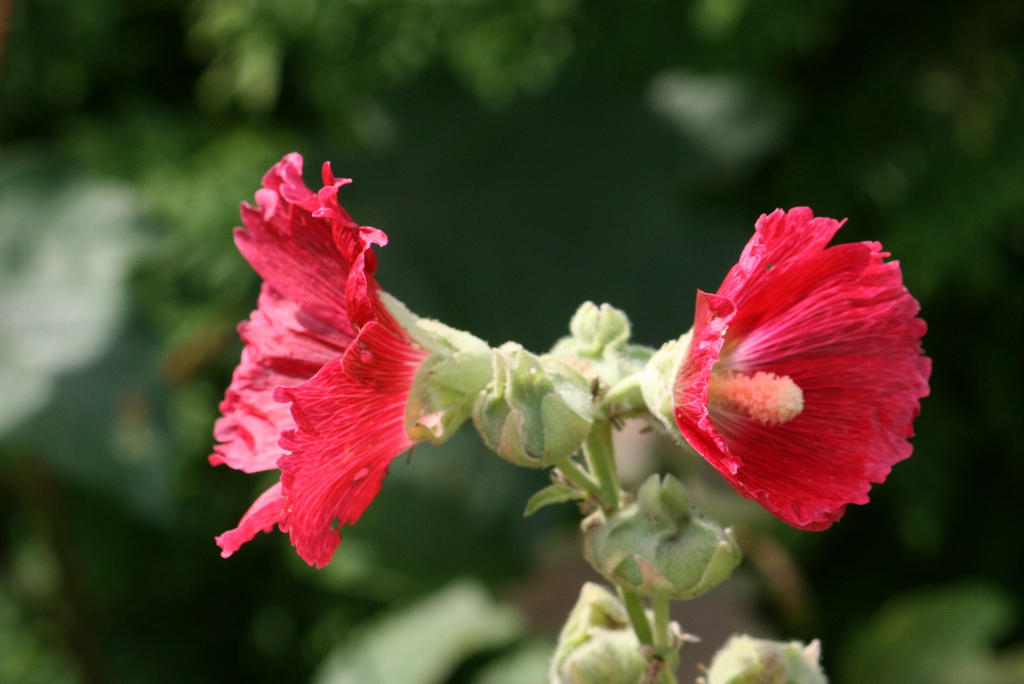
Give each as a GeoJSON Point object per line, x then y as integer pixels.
{"type": "Point", "coordinates": [805, 370]}
{"type": "Point", "coordinates": [322, 340]}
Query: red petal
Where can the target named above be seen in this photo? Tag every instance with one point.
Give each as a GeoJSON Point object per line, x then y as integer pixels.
{"type": "Point", "coordinates": [251, 420]}
{"type": "Point", "coordinates": [267, 511]}
{"type": "Point", "coordinates": [350, 424]}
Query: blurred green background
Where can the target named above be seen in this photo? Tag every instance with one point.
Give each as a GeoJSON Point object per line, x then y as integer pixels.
{"type": "Point", "coordinates": [523, 157]}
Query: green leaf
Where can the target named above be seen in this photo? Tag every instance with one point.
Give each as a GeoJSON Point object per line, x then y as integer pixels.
{"type": "Point", "coordinates": [552, 494]}
{"type": "Point", "coordinates": [425, 642]}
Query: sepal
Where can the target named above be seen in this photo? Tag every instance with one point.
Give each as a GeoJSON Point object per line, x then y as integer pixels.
{"type": "Point", "coordinates": [442, 394]}
{"type": "Point", "coordinates": [447, 383]}
{"type": "Point", "coordinates": [657, 381]}
{"type": "Point", "coordinates": [431, 334]}
{"type": "Point", "coordinates": [659, 546]}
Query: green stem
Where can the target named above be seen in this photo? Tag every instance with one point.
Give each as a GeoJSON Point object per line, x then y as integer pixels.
{"type": "Point", "coordinates": [580, 478]}
{"type": "Point", "coordinates": [601, 461]}
{"type": "Point", "coordinates": [660, 622]}
{"type": "Point", "coordinates": [637, 616]}
{"type": "Point", "coordinates": [600, 457]}
{"type": "Point", "coordinates": [661, 638]}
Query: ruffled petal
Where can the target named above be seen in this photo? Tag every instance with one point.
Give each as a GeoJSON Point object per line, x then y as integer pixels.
{"type": "Point", "coordinates": [317, 288]}
{"type": "Point", "coordinates": [781, 239]}
{"type": "Point", "coordinates": [838, 322]}
{"type": "Point", "coordinates": [268, 510]}
{"type": "Point", "coordinates": [284, 346]}
{"type": "Point", "coordinates": [305, 246]}
{"type": "Point", "coordinates": [251, 419]}
{"type": "Point", "coordinates": [349, 426]}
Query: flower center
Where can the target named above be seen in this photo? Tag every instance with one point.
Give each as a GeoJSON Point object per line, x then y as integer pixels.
{"type": "Point", "coordinates": [767, 397]}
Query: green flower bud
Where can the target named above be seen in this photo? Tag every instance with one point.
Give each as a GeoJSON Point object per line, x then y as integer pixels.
{"type": "Point", "coordinates": [597, 644]}
{"type": "Point", "coordinates": [595, 329]}
{"type": "Point", "coordinates": [599, 337]}
{"type": "Point", "coordinates": [447, 383]}
{"type": "Point", "coordinates": [536, 411]}
{"type": "Point", "coordinates": [745, 660]}
{"type": "Point", "coordinates": [659, 546]}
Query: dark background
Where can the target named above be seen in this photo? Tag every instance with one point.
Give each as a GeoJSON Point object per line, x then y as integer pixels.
{"type": "Point", "coordinates": [523, 157]}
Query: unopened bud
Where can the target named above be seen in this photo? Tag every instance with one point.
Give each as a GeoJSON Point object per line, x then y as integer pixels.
{"type": "Point", "coordinates": [745, 660]}
{"type": "Point", "coordinates": [597, 644]}
{"type": "Point", "coordinates": [536, 411]}
{"type": "Point", "coordinates": [659, 546]}
{"type": "Point", "coordinates": [596, 328]}
{"type": "Point", "coordinates": [598, 337]}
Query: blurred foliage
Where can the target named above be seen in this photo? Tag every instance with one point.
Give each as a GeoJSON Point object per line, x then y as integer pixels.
{"type": "Point", "coordinates": [424, 642]}
{"type": "Point", "coordinates": [343, 52]}
{"type": "Point", "coordinates": [546, 151]}
{"type": "Point", "coordinates": [943, 636]}
{"type": "Point", "coordinates": [67, 247]}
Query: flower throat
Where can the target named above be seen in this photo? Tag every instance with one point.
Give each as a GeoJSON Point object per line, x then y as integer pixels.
{"type": "Point", "coordinates": [766, 397]}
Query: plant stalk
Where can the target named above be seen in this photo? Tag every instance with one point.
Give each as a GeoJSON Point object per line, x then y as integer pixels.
{"type": "Point", "coordinates": [581, 479]}
{"type": "Point", "coordinates": [600, 456]}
